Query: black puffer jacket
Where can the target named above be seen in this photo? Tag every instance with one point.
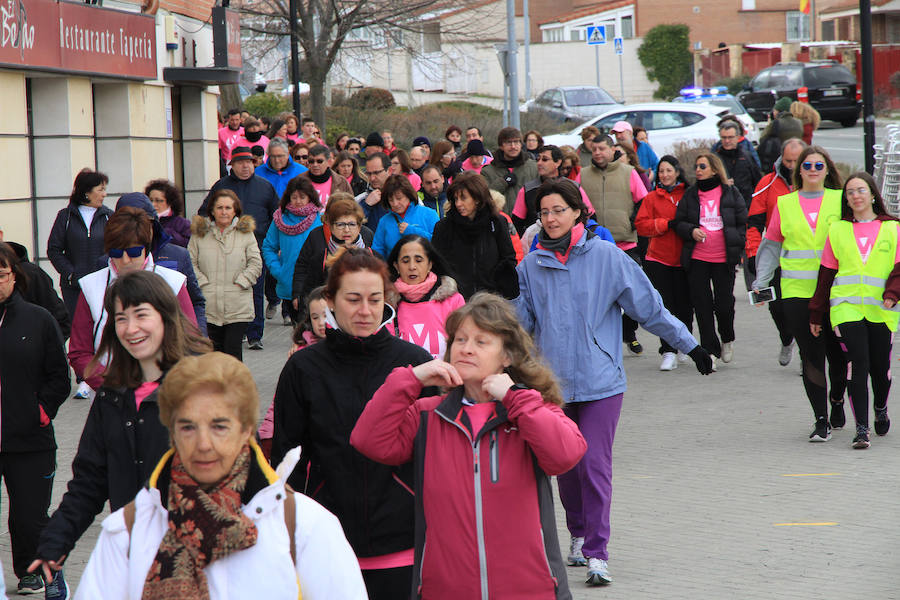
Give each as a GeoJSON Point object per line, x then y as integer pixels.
{"type": "Point", "coordinates": [34, 374]}
{"type": "Point", "coordinates": [40, 290]}
{"type": "Point", "coordinates": [479, 252]}
{"type": "Point", "coordinates": [72, 249]}
{"type": "Point", "coordinates": [321, 393]}
{"type": "Point", "coordinates": [309, 270]}
{"type": "Point", "coordinates": [734, 221]}
{"type": "Point", "coordinates": [119, 447]}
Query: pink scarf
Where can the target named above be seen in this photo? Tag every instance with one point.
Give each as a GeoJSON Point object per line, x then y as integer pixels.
{"type": "Point", "coordinates": [415, 291]}
{"type": "Point", "coordinates": [308, 210]}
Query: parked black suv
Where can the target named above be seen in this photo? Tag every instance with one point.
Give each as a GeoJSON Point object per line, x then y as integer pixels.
{"type": "Point", "coordinates": [830, 89]}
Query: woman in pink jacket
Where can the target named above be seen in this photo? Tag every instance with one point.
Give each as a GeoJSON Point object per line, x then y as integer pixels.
{"type": "Point", "coordinates": [426, 294]}
{"type": "Point", "coordinates": [484, 454]}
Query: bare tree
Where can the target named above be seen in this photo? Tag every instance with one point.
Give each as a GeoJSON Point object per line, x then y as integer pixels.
{"type": "Point", "coordinates": [323, 27]}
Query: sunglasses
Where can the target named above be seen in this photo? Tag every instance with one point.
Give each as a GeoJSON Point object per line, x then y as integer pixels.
{"type": "Point", "coordinates": [807, 166]}
{"type": "Point", "coordinates": [133, 252]}
{"type": "Point", "coordinates": [701, 167]}
{"type": "Point", "coordinates": [318, 161]}
{"type": "Point", "coordinates": [301, 157]}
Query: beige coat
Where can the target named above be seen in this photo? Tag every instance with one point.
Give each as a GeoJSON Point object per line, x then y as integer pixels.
{"type": "Point", "coordinates": [227, 264]}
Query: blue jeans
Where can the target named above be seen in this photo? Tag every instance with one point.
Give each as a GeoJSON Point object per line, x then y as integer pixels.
{"type": "Point", "coordinates": [255, 330]}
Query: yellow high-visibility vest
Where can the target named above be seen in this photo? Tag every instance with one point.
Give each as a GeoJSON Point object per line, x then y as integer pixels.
{"type": "Point", "coordinates": [802, 247]}
{"type": "Point", "coordinates": [858, 287]}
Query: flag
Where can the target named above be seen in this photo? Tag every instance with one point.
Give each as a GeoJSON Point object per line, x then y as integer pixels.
{"type": "Point", "coordinates": [804, 6]}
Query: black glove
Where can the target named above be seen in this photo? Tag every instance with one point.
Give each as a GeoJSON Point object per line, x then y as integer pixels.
{"type": "Point", "coordinates": [510, 179]}
{"type": "Point", "coordinates": [702, 359]}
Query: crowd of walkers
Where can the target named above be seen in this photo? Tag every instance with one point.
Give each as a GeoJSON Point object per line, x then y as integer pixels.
{"type": "Point", "coordinates": [447, 303]}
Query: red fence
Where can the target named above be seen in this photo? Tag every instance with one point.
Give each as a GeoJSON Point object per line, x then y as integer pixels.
{"type": "Point", "coordinates": [716, 66]}
{"type": "Point", "coordinates": [886, 62]}
{"type": "Point", "coordinates": [755, 61]}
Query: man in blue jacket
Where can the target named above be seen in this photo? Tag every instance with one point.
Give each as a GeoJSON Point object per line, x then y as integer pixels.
{"type": "Point", "coordinates": [280, 168]}
{"type": "Point", "coordinates": [258, 199]}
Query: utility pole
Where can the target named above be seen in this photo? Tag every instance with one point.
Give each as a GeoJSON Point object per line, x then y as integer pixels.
{"type": "Point", "coordinates": [527, 22]}
{"type": "Point", "coordinates": [868, 83]}
{"type": "Point", "coordinates": [512, 58]}
{"type": "Point", "coordinates": [295, 59]}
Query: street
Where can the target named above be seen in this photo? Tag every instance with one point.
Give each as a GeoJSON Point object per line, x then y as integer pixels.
{"type": "Point", "coordinates": [717, 492]}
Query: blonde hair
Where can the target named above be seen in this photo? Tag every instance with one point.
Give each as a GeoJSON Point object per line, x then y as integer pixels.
{"type": "Point", "coordinates": [806, 113]}
{"type": "Point", "coordinates": [496, 315]}
{"type": "Point", "coordinates": [214, 372]}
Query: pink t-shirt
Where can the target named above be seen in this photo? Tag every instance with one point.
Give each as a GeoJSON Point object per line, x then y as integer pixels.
{"type": "Point", "coordinates": [479, 414]}
{"type": "Point", "coordinates": [422, 323]}
{"type": "Point", "coordinates": [144, 390]}
{"type": "Point", "coordinates": [414, 179]}
{"type": "Point", "coordinates": [324, 190]}
{"type": "Point", "coordinates": [227, 137]}
{"type": "Point", "coordinates": [713, 249]}
{"type": "Point", "coordinates": [865, 234]}
{"type": "Point", "coordinates": [468, 166]}
{"type": "Point", "coordinates": [638, 191]}
{"type": "Point", "coordinates": [810, 208]}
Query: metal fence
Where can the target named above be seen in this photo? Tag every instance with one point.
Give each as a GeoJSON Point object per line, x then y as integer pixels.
{"type": "Point", "coordinates": [887, 168]}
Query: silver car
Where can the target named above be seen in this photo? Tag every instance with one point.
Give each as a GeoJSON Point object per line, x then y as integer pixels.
{"type": "Point", "coordinates": [572, 104]}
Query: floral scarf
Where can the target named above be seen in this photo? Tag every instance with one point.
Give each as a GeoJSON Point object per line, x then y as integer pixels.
{"type": "Point", "coordinates": [204, 526]}
{"type": "Point", "coordinates": [308, 210]}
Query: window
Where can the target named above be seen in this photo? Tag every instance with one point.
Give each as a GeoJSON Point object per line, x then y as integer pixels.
{"type": "Point", "coordinates": [627, 28]}
{"type": "Point", "coordinates": [827, 76]}
{"type": "Point", "coordinates": [554, 34]}
{"type": "Point", "coordinates": [431, 37]}
{"type": "Point", "coordinates": [748, 4]}
{"type": "Point", "coordinates": [659, 119]}
{"type": "Point", "coordinates": [760, 82]}
{"type": "Point", "coordinates": [588, 97]}
{"type": "Point", "coordinates": [556, 99]}
{"type": "Point", "coordinates": [797, 26]}
{"type": "Point", "coordinates": [576, 35]}
{"type": "Point", "coordinates": [607, 122]}
{"type": "Point", "coordinates": [828, 30]}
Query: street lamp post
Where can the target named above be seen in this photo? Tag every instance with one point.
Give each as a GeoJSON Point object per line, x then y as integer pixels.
{"type": "Point", "coordinates": [868, 83]}
{"type": "Point", "coordinates": [295, 59]}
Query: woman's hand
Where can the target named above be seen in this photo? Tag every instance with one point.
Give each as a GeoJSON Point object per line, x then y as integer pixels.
{"type": "Point", "coordinates": [698, 234]}
{"type": "Point", "coordinates": [437, 372]}
{"type": "Point", "coordinates": [402, 226]}
{"type": "Point", "coordinates": [889, 304]}
{"type": "Point", "coordinates": [815, 329]}
{"type": "Point", "coordinates": [48, 566]}
{"type": "Point", "coordinates": [496, 386]}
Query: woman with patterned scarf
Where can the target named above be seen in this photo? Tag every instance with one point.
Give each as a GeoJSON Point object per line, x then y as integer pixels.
{"type": "Point", "coordinates": [342, 228]}
{"type": "Point", "coordinates": [215, 521]}
{"type": "Point", "coordinates": [296, 216]}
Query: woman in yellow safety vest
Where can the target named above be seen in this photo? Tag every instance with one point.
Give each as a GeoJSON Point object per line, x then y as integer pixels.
{"type": "Point", "coordinates": [794, 239]}
{"type": "Point", "coordinates": [859, 280]}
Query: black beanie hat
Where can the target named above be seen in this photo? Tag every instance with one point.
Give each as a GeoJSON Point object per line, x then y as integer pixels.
{"type": "Point", "coordinates": [374, 139]}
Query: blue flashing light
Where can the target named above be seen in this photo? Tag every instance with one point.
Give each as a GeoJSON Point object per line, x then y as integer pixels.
{"type": "Point", "coordinates": [691, 91]}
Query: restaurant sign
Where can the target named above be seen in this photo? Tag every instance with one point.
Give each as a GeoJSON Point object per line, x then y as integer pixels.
{"type": "Point", "coordinates": [77, 38]}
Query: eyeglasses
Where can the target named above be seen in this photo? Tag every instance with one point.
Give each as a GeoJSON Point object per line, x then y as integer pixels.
{"type": "Point", "coordinates": [860, 191]}
{"type": "Point", "coordinates": [376, 172]}
{"type": "Point", "coordinates": [346, 225]}
{"type": "Point", "coordinates": [132, 252]}
{"type": "Point", "coordinates": [4, 276]}
{"type": "Point", "coordinates": [555, 212]}
{"type": "Point", "coordinates": [318, 161]}
{"type": "Point", "coordinates": [807, 166]}
{"type": "Point", "coordinates": [450, 155]}
{"type": "Point", "coordinates": [700, 167]}
{"type": "Point", "coordinates": [303, 157]}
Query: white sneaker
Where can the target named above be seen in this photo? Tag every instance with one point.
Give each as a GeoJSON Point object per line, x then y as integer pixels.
{"type": "Point", "coordinates": [713, 363]}
{"type": "Point", "coordinates": [598, 572]}
{"type": "Point", "coordinates": [576, 558]}
{"type": "Point", "coordinates": [669, 362]}
{"type": "Point", "coordinates": [727, 352]}
{"type": "Point", "coordinates": [682, 357]}
{"type": "Point", "coordinates": [784, 357]}
{"type": "Point", "coordinates": [84, 392]}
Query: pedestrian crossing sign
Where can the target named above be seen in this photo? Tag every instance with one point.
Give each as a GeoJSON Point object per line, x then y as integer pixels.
{"type": "Point", "coordinates": [596, 34]}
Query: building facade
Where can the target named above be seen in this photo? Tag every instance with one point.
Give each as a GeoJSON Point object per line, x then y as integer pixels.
{"type": "Point", "coordinates": [125, 89]}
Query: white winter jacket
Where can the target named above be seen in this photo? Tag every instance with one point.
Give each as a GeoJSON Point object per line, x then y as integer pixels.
{"type": "Point", "coordinates": [325, 569]}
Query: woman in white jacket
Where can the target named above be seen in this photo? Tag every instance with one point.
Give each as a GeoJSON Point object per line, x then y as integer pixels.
{"type": "Point", "coordinates": [215, 521]}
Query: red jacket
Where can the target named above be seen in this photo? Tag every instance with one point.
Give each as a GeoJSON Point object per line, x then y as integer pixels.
{"type": "Point", "coordinates": [652, 221]}
{"type": "Point", "coordinates": [490, 498]}
{"type": "Point", "coordinates": [765, 198]}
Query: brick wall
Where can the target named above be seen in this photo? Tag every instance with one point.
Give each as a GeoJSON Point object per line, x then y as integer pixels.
{"type": "Point", "coordinates": [717, 21]}
{"type": "Point", "coordinates": [196, 9]}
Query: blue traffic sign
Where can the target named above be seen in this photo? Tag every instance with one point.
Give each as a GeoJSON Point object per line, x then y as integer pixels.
{"type": "Point", "coordinates": [618, 43]}
{"type": "Point", "coordinates": [596, 34]}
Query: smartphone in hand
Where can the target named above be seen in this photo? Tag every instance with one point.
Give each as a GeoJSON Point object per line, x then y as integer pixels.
{"type": "Point", "coordinates": [763, 295]}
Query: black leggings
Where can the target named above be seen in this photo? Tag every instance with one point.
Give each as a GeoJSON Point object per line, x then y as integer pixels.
{"type": "Point", "coordinates": [776, 309]}
{"type": "Point", "coordinates": [29, 482]}
{"type": "Point", "coordinates": [672, 285]}
{"type": "Point", "coordinates": [813, 352]}
{"type": "Point", "coordinates": [227, 338]}
{"type": "Point", "coordinates": [718, 301]}
{"type": "Point", "coordinates": [867, 346]}
{"type": "Point", "coordinates": [388, 584]}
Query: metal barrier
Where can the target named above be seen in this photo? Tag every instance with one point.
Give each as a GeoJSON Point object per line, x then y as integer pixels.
{"type": "Point", "coordinates": [887, 168]}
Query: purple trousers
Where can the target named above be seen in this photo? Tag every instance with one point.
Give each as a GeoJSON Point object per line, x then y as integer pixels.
{"type": "Point", "coordinates": [586, 490]}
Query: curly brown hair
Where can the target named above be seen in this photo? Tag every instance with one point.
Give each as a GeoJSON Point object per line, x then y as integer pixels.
{"type": "Point", "coordinates": [496, 315]}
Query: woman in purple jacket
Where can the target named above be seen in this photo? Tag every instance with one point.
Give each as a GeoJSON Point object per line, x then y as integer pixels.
{"type": "Point", "coordinates": [169, 205]}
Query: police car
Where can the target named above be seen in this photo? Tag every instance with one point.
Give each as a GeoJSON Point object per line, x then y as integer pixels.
{"type": "Point", "coordinates": [719, 96]}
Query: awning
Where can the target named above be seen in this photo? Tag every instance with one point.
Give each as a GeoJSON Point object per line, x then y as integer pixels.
{"type": "Point", "coordinates": [201, 76]}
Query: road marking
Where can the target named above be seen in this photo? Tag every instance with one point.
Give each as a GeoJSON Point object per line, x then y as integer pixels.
{"type": "Point", "coordinates": [809, 474]}
{"type": "Point", "coordinates": [825, 524]}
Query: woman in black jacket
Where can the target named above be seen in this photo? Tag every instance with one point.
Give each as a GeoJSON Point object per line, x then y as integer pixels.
{"type": "Point", "coordinates": [34, 382]}
{"type": "Point", "coordinates": [712, 220]}
{"type": "Point", "coordinates": [122, 440]}
{"type": "Point", "coordinates": [321, 393]}
{"type": "Point", "coordinates": [343, 228]}
{"type": "Point", "coordinates": [76, 239]}
{"type": "Point", "coordinates": [474, 239]}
